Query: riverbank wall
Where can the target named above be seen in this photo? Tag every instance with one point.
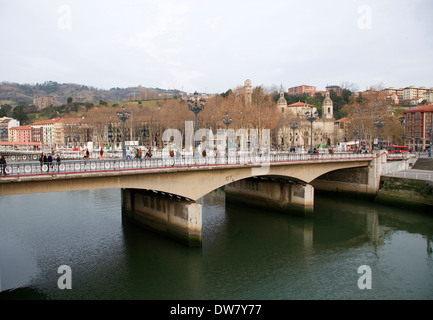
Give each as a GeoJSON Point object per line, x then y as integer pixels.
{"type": "Point", "coordinates": [408, 193]}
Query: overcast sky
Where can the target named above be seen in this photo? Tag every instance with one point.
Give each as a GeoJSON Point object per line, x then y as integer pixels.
{"type": "Point", "coordinates": [216, 45]}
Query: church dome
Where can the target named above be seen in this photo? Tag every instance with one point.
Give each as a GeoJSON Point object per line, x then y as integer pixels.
{"type": "Point", "coordinates": [281, 99]}
{"type": "Point", "coordinates": [327, 100]}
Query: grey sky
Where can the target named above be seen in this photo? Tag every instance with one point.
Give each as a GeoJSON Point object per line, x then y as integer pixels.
{"type": "Point", "coordinates": [214, 46]}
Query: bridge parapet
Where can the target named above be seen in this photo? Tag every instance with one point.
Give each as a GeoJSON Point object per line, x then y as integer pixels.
{"type": "Point", "coordinates": [86, 166]}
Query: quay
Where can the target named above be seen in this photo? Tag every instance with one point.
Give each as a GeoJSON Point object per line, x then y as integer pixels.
{"type": "Point", "coordinates": [411, 188]}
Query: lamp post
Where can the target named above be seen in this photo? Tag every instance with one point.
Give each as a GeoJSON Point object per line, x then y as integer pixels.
{"type": "Point", "coordinates": [417, 143]}
{"type": "Point", "coordinates": [294, 126]}
{"type": "Point", "coordinates": [194, 107]}
{"type": "Point", "coordinates": [227, 120]}
{"type": "Point", "coordinates": [379, 123]}
{"type": "Point", "coordinates": [355, 133]}
{"type": "Point", "coordinates": [123, 115]}
{"type": "Point", "coordinates": [311, 116]}
{"type": "Point", "coordinates": [431, 142]}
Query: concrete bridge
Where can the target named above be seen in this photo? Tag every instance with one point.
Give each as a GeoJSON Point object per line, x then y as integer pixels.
{"type": "Point", "coordinates": [161, 194]}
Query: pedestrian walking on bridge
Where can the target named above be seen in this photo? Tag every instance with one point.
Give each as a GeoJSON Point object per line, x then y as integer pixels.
{"type": "Point", "coordinates": [58, 160]}
{"type": "Point", "coordinates": [3, 164]}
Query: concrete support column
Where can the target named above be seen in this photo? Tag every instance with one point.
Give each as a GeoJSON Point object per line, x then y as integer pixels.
{"type": "Point", "coordinates": [283, 196]}
{"type": "Point", "coordinates": [375, 172]}
{"type": "Point", "coordinates": [172, 216]}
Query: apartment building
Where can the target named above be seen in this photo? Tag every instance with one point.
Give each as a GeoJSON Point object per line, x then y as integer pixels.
{"type": "Point", "coordinates": [43, 131]}
{"type": "Point", "coordinates": [301, 90]}
{"type": "Point", "coordinates": [411, 93]}
{"type": "Point", "coordinates": [418, 127]}
{"type": "Point", "coordinates": [337, 89]}
{"type": "Point", "coordinates": [53, 133]}
{"type": "Point", "coordinates": [44, 101]}
{"type": "Point", "coordinates": [5, 124]}
{"type": "Point", "coordinates": [21, 134]}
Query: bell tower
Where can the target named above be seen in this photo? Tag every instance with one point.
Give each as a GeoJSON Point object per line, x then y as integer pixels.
{"type": "Point", "coordinates": [248, 92]}
{"type": "Point", "coordinates": [282, 102]}
{"type": "Point", "coordinates": [327, 107]}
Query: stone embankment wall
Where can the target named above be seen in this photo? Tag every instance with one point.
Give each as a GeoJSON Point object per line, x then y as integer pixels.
{"type": "Point", "coordinates": [408, 193]}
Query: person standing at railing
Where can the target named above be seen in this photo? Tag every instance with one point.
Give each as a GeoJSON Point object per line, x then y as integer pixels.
{"type": "Point", "coordinates": [50, 162]}
{"type": "Point", "coordinates": [43, 159]}
{"type": "Point", "coordinates": [148, 154]}
{"type": "Point", "coordinates": [58, 160]}
{"type": "Point", "coordinates": [138, 153]}
{"type": "Point", "coordinates": [3, 164]}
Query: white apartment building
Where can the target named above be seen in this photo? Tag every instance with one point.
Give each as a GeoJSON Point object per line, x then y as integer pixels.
{"type": "Point", "coordinates": [411, 93]}
{"type": "Point", "coordinates": [46, 129]}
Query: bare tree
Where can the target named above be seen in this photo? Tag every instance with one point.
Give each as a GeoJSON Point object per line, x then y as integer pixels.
{"type": "Point", "coordinates": [368, 107]}
{"type": "Point", "coordinates": [97, 119]}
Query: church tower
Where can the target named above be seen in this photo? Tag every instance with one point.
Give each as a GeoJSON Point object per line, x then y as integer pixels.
{"type": "Point", "coordinates": [282, 102]}
{"type": "Point", "coordinates": [248, 92]}
{"type": "Point", "coordinates": [327, 108]}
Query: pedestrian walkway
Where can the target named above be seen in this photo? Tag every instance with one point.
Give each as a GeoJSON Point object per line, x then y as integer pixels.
{"type": "Point", "coordinates": [423, 164]}
{"type": "Point", "coordinates": [413, 174]}
{"type": "Point", "coordinates": [422, 169]}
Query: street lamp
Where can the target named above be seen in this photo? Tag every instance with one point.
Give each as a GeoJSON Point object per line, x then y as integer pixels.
{"type": "Point", "coordinates": [194, 107]}
{"type": "Point", "coordinates": [431, 142]}
{"type": "Point", "coordinates": [355, 133]}
{"type": "Point", "coordinates": [379, 123]}
{"type": "Point", "coordinates": [123, 115]}
{"type": "Point", "coordinates": [294, 126]}
{"type": "Point", "coordinates": [311, 116]}
{"type": "Point", "coordinates": [227, 120]}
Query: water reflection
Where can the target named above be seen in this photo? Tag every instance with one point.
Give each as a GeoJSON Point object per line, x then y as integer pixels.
{"type": "Point", "coordinates": [246, 254]}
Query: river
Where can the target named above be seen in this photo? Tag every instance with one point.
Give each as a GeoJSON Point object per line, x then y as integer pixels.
{"type": "Point", "coordinates": [350, 249]}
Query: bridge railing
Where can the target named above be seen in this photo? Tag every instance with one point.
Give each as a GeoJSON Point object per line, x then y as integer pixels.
{"type": "Point", "coordinates": [76, 166]}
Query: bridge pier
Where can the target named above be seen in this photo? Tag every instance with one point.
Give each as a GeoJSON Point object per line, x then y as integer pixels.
{"type": "Point", "coordinates": [176, 217]}
{"type": "Point", "coordinates": [358, 181]}
{"type": "Point", "coordinates": [281, 195]}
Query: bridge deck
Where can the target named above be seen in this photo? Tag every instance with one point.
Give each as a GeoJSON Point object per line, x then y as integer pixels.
{"type": "Point", "coordinates": [36, 169]}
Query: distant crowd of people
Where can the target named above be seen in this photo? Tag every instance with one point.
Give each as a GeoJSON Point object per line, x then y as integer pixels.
{"type": "Point", "coordinates": [52, 162]}
{"type": "Point", "coordinates": [49, 160]}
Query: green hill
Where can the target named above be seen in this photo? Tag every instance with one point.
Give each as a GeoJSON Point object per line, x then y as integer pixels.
{"type": "Point", "coordinates": [14, 93]}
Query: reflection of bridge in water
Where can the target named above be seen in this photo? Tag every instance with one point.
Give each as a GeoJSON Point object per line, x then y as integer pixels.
{"type": "Point", "coordinates": [161, 193]}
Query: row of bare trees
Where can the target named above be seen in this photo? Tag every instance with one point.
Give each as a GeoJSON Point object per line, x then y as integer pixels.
{"type": "Point", "coordinates": [365, 110]}
{"type": "Point", "coordinates": [149, 119]}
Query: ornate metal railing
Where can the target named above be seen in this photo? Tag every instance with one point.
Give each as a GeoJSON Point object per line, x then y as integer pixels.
{"type": "Point", "coordinates": [81, 166]}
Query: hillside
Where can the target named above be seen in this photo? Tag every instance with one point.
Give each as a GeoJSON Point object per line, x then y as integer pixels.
{"type": "Point", "coordinates": [14, 93]}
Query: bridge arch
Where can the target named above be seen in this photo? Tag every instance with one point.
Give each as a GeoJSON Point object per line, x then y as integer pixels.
{"type": "Point", "coordinates": [197, 182]}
